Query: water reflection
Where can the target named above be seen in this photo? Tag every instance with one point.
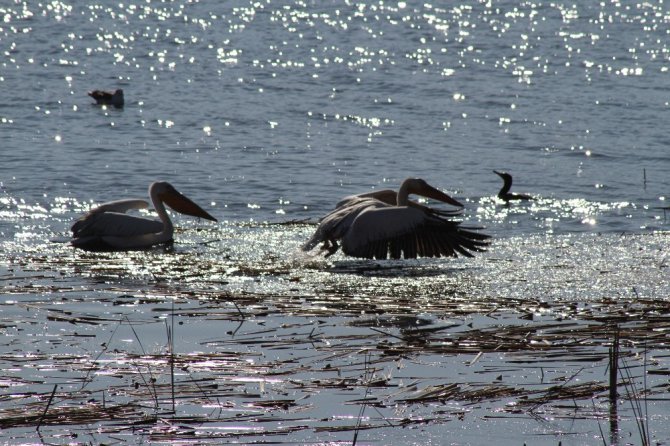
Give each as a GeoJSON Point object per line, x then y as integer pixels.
{"type": "Point", "coordinates": [281, 108]}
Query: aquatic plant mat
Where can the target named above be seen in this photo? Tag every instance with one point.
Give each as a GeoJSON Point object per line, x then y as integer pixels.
{"type": "Point", "coordinates": [242, 339]}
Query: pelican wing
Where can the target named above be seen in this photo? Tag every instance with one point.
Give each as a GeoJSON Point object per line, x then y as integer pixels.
{"type": "Point", "coordinates": [115, 224]}
{"type": "Point", "coordinates": [390, 197]}
{"type": "Point", "coordinates": [90, 221]}
{"type": "Point", "coordinates": [387, 196]}
{"type": "Point", "coordinates": [336, 223]}
{"type": "Point", "coordinates": [408, 232]}
{"type": "Point", "coordinates": [112, 231]}
{"type": "Point", "coordinates": [121, 206]}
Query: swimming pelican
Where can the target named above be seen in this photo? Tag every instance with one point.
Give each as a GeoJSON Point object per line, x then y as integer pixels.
{"type": "Point", "coordinates": [504, 193]}
{"type": "Point", "coordinates": [385, 223]}
{"type": "Point", "coordinates": [114, 98]}
{"type": "Point", "coordinates": [108, 227]}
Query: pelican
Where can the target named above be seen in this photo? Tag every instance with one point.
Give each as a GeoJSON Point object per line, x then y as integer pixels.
{"type": "Point", "coordinates": [114, 98]}
{"type": "Point", "coordinates": [386, 223]}
{"type": "Point", "coordinates": [504, 193]}
{"type": "Point", "coordinates": [108, 227]}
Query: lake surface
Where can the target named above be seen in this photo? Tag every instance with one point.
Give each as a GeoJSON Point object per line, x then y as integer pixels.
{"type": "Point", "coordinates": [267, 113]}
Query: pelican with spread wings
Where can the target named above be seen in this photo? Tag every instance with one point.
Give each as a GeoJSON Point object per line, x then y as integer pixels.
{"type": "Point", "coordinates": [386, 223]}
{"type": "Point", "coordinates": [109, 228]}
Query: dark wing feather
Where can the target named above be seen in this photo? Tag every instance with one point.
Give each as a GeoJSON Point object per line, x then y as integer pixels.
{"type": "Point", "coordinates": [383, 232]}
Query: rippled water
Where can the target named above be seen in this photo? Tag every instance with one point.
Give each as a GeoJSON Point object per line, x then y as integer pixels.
{"type": "Point", "coordinates": [271, 111]}
{"type": "Point", "coordinates": [274, 110]}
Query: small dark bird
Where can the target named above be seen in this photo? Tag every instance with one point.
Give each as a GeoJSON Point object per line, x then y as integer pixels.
{"type": "Point", "coordinates": [107, 97]}
{"type": "Point", "coordinates": [505, 194]}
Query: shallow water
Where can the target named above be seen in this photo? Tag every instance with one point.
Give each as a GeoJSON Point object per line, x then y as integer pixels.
{"type": "Point", "coordinates": [297, 349]}
{"type": "Point", "coordinates": [270, 112]}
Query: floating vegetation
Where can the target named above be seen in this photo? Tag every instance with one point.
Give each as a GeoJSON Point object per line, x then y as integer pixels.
{"type": "Point", "coordinates": [202, 346]}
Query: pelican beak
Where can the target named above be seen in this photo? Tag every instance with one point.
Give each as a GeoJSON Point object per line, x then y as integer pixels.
{"type": "Point", "coordinates": [184, 205]}
{"type": "Point", "coordinates": [430, 192]}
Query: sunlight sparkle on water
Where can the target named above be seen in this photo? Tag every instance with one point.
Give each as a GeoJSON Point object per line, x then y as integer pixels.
{"type": "Point", "coordinates": [340, 99]}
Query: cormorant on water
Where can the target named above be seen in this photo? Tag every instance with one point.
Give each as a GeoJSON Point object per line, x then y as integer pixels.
{"type": "Point", "coordinates": [505, 194]}
{"type": "Point", "coordinates": [114, 98]}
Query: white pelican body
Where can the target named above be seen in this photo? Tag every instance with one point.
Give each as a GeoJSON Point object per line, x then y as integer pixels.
{"type": "Point", "coordinates": [109, 228]}
{"type": "Point", "coordinates": [385, 223]}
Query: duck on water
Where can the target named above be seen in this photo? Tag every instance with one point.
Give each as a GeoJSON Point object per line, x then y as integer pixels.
{"type": "Point", "coordinates": [102, 97]}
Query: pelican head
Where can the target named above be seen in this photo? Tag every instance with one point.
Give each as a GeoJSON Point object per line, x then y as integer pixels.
{"type": "Point", "coordinates": [420, 187]}
{"type": "Point", "coordinates": [166, 193]}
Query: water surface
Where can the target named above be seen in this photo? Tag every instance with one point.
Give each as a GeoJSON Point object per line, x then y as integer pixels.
{"type": "Point", "coordinates": [269, 112]}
